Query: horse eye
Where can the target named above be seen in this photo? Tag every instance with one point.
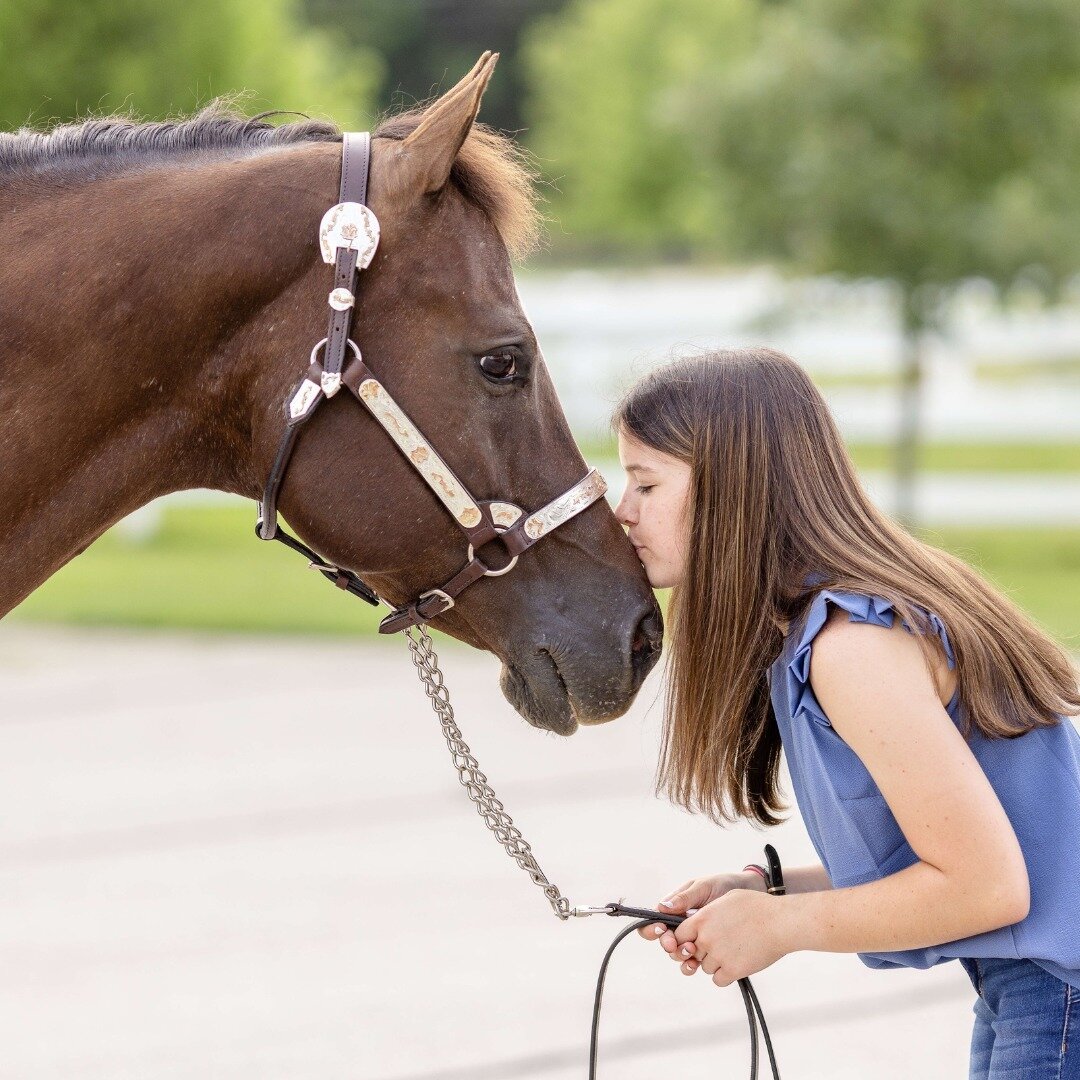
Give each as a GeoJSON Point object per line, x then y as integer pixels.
{"type": "Point", "coordinates": [500, 365]}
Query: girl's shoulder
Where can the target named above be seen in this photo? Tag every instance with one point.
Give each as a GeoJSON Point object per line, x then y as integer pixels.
{"type": "Point", "coordinates": [836, 620]}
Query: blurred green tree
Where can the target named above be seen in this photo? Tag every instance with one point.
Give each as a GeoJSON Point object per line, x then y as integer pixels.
{"type": "Point", "coordinates": [62, 59]}
{"type": "Point", "coordinates": [607, 86]}
{"type": "Point", "coordinates": [427, 45]}
{"type": "Point", "coordinates": [922, 141]}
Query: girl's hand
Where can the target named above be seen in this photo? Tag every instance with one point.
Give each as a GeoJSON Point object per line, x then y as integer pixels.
{"type": "Point", "coordinates": [734, 936]}
{"type": "Point", "coordinates": [693, 895]}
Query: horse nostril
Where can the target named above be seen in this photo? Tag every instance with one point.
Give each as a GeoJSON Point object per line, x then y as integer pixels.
{"type": "Point", "coordinates": [647, 639]}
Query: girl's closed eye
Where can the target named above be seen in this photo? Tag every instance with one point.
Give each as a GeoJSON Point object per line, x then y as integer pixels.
{"type": "Point", "coordinates": [645, 489]}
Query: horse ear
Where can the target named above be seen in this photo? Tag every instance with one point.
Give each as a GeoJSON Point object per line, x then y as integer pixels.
{"type": "Point", "coordinates": [428, 153]}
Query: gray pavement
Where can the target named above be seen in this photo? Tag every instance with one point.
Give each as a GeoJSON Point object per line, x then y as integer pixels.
{"type": "Point", "coordinates": [236, 858]}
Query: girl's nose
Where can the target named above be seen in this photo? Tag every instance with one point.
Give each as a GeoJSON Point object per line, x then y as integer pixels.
{"type": "Point", "coordinates": [622, 512]}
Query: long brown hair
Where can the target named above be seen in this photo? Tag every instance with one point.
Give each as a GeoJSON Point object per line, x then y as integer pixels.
{"type": "Point", "coordinates": [774, 496]}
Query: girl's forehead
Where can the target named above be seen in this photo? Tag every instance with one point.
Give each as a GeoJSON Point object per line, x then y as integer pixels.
{"type": "Point", "coordinates": [634, 454]}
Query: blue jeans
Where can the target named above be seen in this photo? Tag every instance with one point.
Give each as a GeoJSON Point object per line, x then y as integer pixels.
{"type": "Point", "coordinates": [1027, 1022]}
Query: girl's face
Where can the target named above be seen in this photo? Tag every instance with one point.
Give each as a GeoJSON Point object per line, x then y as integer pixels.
{"type": "Point", "coordinates": [654, 509]}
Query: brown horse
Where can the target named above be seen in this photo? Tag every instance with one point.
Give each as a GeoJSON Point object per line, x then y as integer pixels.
{"type": "Point", "coordinates": [160, 292]}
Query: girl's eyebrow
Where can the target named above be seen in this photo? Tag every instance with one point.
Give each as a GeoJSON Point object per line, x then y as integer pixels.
{"type": "Point", "coordinates": [639, 468]}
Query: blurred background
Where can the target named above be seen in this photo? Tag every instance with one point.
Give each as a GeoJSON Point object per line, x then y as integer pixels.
{"type": "Point", "coordinates": [198, 857]}
{"type": "Point", "coordinates": [888, 195]}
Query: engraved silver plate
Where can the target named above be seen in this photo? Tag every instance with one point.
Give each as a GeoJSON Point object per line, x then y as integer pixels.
{"type": "Point", "coordinates": [503, 515]}
{"type": "Point", "coordinates": [303, 399]}
{"type": "Point", "coordinates": [419, 451]}
{"type": "Point", "coordinates": [349, 225]}
{"type": "Point", "coordinates": [557, 512]}
{"type": "Point", "coordinates": [331, 383]}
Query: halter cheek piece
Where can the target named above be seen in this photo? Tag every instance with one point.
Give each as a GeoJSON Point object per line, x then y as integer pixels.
{"type": "Point", "coordinates": [348, 237]}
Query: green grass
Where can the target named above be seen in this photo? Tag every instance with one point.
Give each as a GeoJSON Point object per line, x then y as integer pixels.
{"type": "Point", "coordinates": [972, 457]}
{"type": "Point", "coordinates": [1019, 371]}
{"type": "Point", "coordinates": [1037, 567]}
{"type": "Point", "coordinates": [985, 369]}
{"type": "Point", "coordinates": [205, 570]}
{"type": "Point", "coordinates": [1051, 457]}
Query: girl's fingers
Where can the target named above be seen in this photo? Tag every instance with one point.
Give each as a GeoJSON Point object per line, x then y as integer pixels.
{"type": "Point", "coordinates": [684, 952]}
{"type": "Point", "coordinates": [668, 941]}
{"type": "Point", "coordinates": [651, 933]}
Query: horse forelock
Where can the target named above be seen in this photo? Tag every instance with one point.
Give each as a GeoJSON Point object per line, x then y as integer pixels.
{"type": "Point", "coordinates": [491, 170]}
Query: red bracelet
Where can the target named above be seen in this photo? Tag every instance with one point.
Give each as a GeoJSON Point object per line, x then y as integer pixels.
{"type": "Point", "coordinates": [759, 869]}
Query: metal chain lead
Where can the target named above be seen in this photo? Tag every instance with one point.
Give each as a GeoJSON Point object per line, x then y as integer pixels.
{"type": "Point", "coordinates": [472, 779]}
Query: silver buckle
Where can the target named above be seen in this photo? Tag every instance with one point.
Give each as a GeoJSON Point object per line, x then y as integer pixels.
{"type": "Point", "coordinates": [437, 592]}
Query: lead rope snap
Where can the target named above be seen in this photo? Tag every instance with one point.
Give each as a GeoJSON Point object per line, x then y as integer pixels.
{"type": "Point", "coordinates": [491, 809]}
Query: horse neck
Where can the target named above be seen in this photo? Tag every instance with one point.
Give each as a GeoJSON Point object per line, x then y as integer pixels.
{"type": "Point", "coordinates": [129, 308]}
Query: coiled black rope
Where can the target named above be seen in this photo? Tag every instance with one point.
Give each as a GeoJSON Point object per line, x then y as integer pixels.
{"type": "Point", "coordinates": [773, 874]}
{"type": "Point", "coordinates": [750, 999]}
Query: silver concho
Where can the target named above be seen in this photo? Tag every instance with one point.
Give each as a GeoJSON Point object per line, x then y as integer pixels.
{"type": "Point", "coordinates": [349, 225]}
{"type": "Point", "coordinates": [341, 300]}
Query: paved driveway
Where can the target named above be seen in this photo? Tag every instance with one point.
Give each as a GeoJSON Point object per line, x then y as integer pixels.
{"type": "Point", "coordinates": [230, 858]}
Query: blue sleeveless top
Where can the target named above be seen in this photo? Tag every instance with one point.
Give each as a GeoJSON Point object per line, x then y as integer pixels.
{"type": "Point", "coordinates": [1036, 777]}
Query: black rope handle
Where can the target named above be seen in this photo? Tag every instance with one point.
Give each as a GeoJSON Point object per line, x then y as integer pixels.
{"type": "Point", "coordinates": [774, 880]}
{"type": "Point", "coordinates": [750, 998]}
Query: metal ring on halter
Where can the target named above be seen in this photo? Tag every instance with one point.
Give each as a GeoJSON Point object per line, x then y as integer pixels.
{"type": "Point", "coordinates": [437, 592]}
{"type": "Point", "coordinates": [320, 344]}
{"type": "Point", "coordinates": [507, 568]}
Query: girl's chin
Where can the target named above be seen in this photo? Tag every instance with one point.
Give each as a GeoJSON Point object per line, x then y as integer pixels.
{"type": "Point", "coordinates": [657, 579]}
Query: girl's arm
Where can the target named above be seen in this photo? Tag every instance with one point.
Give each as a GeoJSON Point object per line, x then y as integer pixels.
{"type": "Point", "coordinates": [873, 684]}
{"type": "Point", "coordinates": [804, 879]}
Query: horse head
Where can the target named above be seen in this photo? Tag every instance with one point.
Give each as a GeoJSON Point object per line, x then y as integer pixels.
{"type": "Point", "coordinates": [200, 294]}
{"type": "Point", "coordinates": [440, 322]}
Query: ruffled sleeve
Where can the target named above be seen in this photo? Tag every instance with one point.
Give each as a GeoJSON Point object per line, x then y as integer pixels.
{"type": "Point", "coordinates": [868, 609]}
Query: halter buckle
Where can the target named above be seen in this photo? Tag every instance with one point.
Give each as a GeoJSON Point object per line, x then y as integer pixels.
{"type": "Point", "coordinates": [437, 592]}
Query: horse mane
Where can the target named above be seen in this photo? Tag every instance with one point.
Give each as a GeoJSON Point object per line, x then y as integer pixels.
{"type": "Point", "coordinates": [491, 170]}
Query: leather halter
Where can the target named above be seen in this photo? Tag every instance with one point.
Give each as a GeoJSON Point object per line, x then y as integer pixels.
{"type": "Point", "coordinates": [348, 237]}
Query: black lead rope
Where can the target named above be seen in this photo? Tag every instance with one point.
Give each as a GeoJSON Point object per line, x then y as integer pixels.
{"type": "Point", "coordinates": [774, 878]}
{"type": "Point", "coordinates": [775, 884]}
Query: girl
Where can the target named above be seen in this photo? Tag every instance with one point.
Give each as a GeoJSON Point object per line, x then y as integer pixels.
{"type": "Point", "coordinates": [923, 715]}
